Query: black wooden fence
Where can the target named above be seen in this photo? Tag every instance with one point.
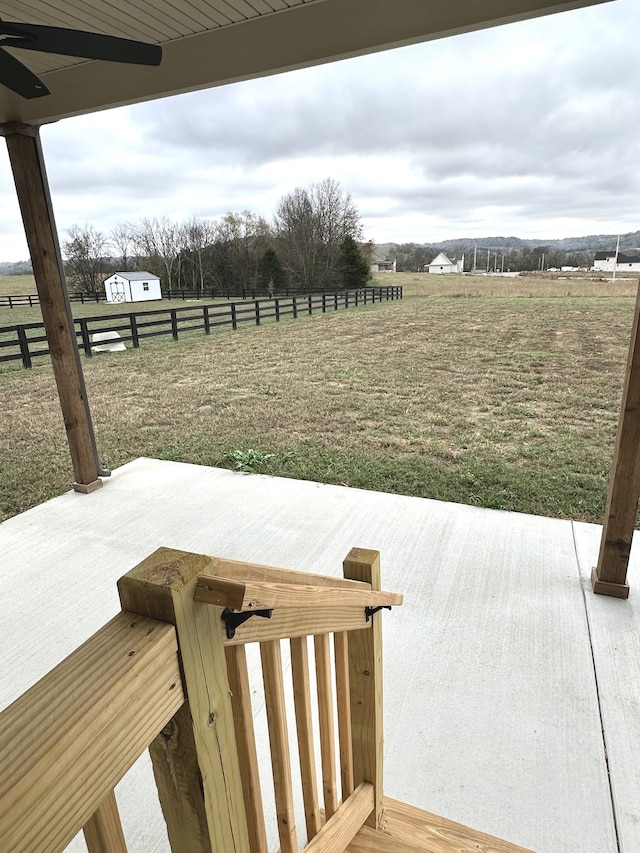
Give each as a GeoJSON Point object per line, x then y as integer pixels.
{"type": "Point", "coordinates": [28, 340]}
{"type": "Point", "coordinates": [32, 299]}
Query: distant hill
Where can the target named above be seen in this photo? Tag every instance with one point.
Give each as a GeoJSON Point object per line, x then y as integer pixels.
{"type": "Point", "coordinates": [511, 253]}
{"type": "Point", "coordinates": [592, 242]}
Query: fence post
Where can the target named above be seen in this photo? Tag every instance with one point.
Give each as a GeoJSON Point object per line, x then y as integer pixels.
{"type": "Point", "coordinates": [10, 302]}
{"type": "Point", "coordinates": [84, 332]}
{"type": "Point", "coordinates": [24, 346]}
{"type": "Point", "coordinates": [365, 676]}
{"type": "Point", "coordinates": [335, 300]}
{"type": "Point", "coordinates": [257, 304]}
{"type": "Point", "coordinates": [174, 324]}
{"type": "Point", "coordinates": [295, 307]}
{"type": "Point", "coordinates": [324, 302]}
{"type": "Point", "coordinates": [205, 315]}
{"type": "Point", "coordinates": [234, 317]}
{"type": "Point", "coordinates": [195, 758]}
{"type": "Point", "coordinates": [133, 320]}
{"type": "Point", "coordinates": [346, 299]}
{"type": "Point", "coordinates": [277, 303]}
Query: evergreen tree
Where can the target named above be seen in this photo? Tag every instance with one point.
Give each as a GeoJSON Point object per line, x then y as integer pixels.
{"type": "Point", "coordinates": [271, 274]}
{"type": "Point", "coordinates": [354, 269]}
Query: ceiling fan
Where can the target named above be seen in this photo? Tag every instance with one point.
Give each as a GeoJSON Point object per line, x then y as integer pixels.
{"type": "Point", "coordinates": [17, 77]}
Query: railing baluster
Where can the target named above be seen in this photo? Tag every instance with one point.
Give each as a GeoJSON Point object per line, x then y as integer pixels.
{"type": "Point", "coordinates": [103, 831]}
{"type": "Point", "coordinates": [246, 745]}
{"type": "Point", "coordinates": [341, 652]}
{"type": "Point", "coordinates": [325, 716]}
{"type": "Point", "coordinates": [279, 744]}
{"type": "Point", "coordinates": [304, 725]}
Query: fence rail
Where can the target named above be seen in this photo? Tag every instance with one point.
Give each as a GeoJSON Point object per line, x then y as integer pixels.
{"type": "Point", "coordinates": [32, 299]}
{"type": "Point", "coordinates": [27, 341]}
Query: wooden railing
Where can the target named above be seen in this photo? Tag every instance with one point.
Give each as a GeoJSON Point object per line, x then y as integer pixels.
{"type": "Point", "coordinates": [68, 741]}
{"type": "Point", "coordinates": [300, 606]}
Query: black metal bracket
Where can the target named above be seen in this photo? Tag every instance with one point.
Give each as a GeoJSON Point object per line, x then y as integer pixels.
{"type": "Point", "coordinates": [369, 611]}
{"type": "Point", "coordinates": [233, 618]}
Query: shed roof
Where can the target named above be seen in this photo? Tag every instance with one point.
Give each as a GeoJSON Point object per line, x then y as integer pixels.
{"type": "Point", "coordinates": [441, 260]}
{"type": "Point", "coordinates": [221, 41]}
{"type": "Point", "coordinates": [622, 258]}
{"type": "Point", "coordinates": [140, 275]}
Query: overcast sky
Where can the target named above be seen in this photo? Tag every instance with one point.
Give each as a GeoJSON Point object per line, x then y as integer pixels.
{"type": "Point", "coordinates": [531, 129]}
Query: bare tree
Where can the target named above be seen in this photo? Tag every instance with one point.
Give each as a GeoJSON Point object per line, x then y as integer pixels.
{"type": "Point", "coordinates": [196, 235]}
{"type": "Point", "coordinates": [86, 262]}
{"type": "Point", "coordinates": [122, 239]}
{"type": "Point", "coordinates": [311, 225]}
{"type": "Point", "coordinates": [241, 240]}
{"type": "Point", "coordinates": [158, 241]}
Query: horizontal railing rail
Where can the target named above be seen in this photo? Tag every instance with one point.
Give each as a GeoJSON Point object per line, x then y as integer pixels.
{"type": "Point", "coordinates": [26, 341]}
{"type": "Point", "coordinates": [67, 742]}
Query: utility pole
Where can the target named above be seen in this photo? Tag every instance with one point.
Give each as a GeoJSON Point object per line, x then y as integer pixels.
{"type": "Point", "coordinates": [615, 262]}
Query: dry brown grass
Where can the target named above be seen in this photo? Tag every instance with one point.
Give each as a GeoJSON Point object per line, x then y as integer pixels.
{"type": "Point", "coordinates": [531, 285]}
{"type": "Point", "coordinates": [501, 402]}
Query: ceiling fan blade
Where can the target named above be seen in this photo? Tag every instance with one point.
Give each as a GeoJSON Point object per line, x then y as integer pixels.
{"type": "Point", "coordinates": [80, 43]}
{"type": "Point", "coordinates": [17, 77]}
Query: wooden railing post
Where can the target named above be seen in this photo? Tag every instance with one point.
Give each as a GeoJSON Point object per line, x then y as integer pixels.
{"type": "Point", "coordinates": [195, 758]}
{"type": "Point", "coordinates": [609, 577]}
{"type": "Point", "coordinates": [365, 677]}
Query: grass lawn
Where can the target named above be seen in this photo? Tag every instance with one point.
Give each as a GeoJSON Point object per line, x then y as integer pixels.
{"type": "Point", "coordinates": [506, 401]}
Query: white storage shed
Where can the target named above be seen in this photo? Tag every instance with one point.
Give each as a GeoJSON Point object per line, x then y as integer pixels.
{"type": "Point", "coordinates": [132, 287]}
{"type": "Point", "coordinates": [441, 265]}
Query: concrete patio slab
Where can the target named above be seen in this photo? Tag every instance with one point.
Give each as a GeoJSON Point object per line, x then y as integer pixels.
{"type": "Point", "coordinates": [615, 633]}
{"type": "Point", "coordinates": [492, 714]}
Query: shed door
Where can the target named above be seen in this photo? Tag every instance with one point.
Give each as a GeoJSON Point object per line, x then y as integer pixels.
{"type": "Point", "coordinates": [118, 293]}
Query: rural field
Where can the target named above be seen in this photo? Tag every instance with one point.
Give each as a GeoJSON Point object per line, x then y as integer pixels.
{"type": "Point", "coordinates": [494, 392]}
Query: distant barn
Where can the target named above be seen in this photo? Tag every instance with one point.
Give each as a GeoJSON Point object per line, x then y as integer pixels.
{"type": "Point", "coordinates": [610, 261]}
{"type": "Point", "coordinates": [382, 263]}
{"type": "Point", "coordinates": [441, 265]}
{"type": "Point", "coordinates": [132, 287]}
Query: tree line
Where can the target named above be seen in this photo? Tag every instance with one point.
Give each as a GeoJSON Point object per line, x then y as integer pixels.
{"type": "Point", "coordinates": [311, 244]}
{"type": "Point", "coordinates": [415, 256]}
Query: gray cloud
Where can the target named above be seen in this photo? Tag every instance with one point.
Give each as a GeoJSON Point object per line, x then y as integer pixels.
{"type": "Point", "coordinates": [519, 129]}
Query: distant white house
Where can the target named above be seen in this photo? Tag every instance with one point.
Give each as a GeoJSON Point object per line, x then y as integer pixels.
{"type": "Point", "coordinates": [606, 262]}
{"type": "Point", "coordinates": [381, 263]}
{"type": "Point", "coordinates": [441, 265]}
{"type": "Point", "coordinates": [132, 287]}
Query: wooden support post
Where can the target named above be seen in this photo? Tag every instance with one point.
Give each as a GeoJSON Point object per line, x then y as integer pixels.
{"type": "Point", "coordinates": [609, 577]}
{"type": "Point", "coordinates": [27, 164]}
{"type": "Point", "coordinates": [195, 759]}
{"type": "Point", "coordinates": [365, 677]}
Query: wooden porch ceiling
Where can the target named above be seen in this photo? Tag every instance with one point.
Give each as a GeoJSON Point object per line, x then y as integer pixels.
{"type": "Point", "coordinates": [221, 41]}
